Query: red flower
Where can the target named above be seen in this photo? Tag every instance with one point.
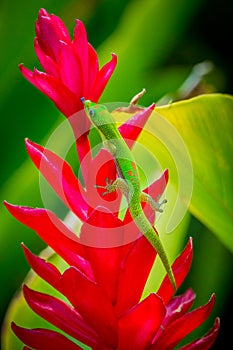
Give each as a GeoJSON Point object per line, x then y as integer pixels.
{"type": "Point", "coordinates": [104, 287]}
{"type": "Point", "coordinates": [71, 66]}
{"type": "Point", "coordinates": [109, 261]}
{"type": "Point", "coordinates": [108, 267]}
{"type": "Point", "coordinates": [71, 72]}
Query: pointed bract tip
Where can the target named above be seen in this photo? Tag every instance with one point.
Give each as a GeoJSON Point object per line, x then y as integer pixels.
{"type": "Point", "coordinates": [152, 106]}
{"type": "Point", "coordinates": [43, 12]}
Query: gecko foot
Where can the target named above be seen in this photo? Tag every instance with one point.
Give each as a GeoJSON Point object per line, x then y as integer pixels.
{"type": "Point", "coordinates": [109, 187]}
{"type": "Point", "coordinates": [155, 204]}
{"type": "Point", "coordinates": [158, 204]}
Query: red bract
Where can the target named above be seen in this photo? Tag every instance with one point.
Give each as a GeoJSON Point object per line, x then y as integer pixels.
{"type": "Point", "coordinates": [71, 66]}
{"type": "Point", "coordinates": [109, 261]}
{"type": "Point", "coordinates": [71, 71]}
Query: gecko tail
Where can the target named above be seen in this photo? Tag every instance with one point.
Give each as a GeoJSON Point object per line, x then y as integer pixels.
{"type": "Point", "coordinates": [157, 244]}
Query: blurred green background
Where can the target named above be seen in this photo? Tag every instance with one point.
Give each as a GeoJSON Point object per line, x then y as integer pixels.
{"type": "Point", "coordinates": [157, 42]}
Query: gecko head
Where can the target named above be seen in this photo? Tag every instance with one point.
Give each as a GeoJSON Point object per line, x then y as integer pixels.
{"type": "Point", "coordinates": [95, 112]}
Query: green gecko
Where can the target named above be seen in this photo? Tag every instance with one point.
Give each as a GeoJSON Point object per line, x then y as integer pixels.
{"type": "Point", "coordinates": [128, 181]}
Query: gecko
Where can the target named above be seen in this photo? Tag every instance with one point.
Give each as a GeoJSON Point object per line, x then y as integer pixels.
{"type": "Point", "coordinates": [128, 178]}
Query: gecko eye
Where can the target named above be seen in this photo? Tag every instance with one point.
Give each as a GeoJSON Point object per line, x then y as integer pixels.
{"type": "Point", "coordinates": [91, 112]}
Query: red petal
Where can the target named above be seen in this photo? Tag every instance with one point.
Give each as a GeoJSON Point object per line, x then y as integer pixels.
{"type": "Point", "coordinates": [105, 249]}
{"type": "Point", "coordinates": [29, 75]}
{"type": "Point", "coordinates": [102, 78]}
{"type": "Point", "coordinates": [103, 168]}
{"type": "Point", "coordinates": [181, 327]}
{"type": "Point", "coordinates": [50, 30]}
{"type": "Point", "coordinates": [180, 269]}
{"type": "Point", "coordinates": [138, 326]}
{"type": "Point", "coordinates": [80, 44]}
{"type": "Point", "coordinates": [43, 339]}
{"type": "Point", "coordinates": [81, 125]}
{"type": "Point", "coordinates": [52, 87]}
{"type": "Point", "coordinates": [63, 98]}
{"type": "Point", "coordinates": [61, 29]}
{"type": "Point", "coordinates": [131, 285]}
{"type": "Point", "coordinates": [60, 176]}
{"type": "Point", "coordinates": [47, 36]}
{"type": "Point", "coordinates": [93, 68]}
{"type": "Point", "coordinates": [46, 61]}
{"type": "Point", "coordinates": [176, 308]}
{"type": "Point", "coordinates": [132, 128]}
{"type": "Point", "coordinates": [60, 315]}
{"type": "Point", "coordinates": [92, 303]}
{"type": "Point", "coordinates": [157, 188]}
{"type": "Point", "coordinates": [71, 70]}
{"type": "Point", "coordinates": [54, 233]}
{"type": "Point", "coordinates": [206, 341]}
{"type": "Point", "coordinates": [110, 230]}
{"type": "Point", "coordinates": [44, 269]}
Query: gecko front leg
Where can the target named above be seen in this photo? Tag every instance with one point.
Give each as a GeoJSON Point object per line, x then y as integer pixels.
{"type": "Point", "coordinates": [155, 205]}
{"type": "Point", "coordinates": [112, 186]}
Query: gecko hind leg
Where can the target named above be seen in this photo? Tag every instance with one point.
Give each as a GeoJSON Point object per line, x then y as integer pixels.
{"type": "Point", "coordinates": [155, 204]}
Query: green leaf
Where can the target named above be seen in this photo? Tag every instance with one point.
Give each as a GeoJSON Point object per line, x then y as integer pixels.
{"type": "Point", "coordinates": [140, 51]}
{"type": "Point", "coordinates": [205, 125]}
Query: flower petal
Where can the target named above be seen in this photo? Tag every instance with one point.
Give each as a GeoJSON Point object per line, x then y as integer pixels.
{"type": "Point", "coordinates": [61, 29]}
{"type": "Point", "coordinates": [180, 269]}
{"type": "Point", "coordinates": [131, 285]}
{"type": "Point", "coordinates": [206, 341]}
{"type": "Point", "coordinates": [71, 70]}
{"type": "Point", "coordinates": [60, 315]}
{"type": "Point", "coordinates": [44, 269]}
{"type": "Point", "coordinates": [102, 235]}
{"type": "Point", "coordinates": [28, 74]}
{"type": "Point", "coordinates": [132, 128]}
{"type": "Point", "coordinates": [93, 68]}
{"type": "Point", "coordinates": [92, 303]}
{"type": "Point", "coordinates": [102, 78]}
{"type": "Point", "coordinates": [52, 87]}
{"type": "Point", "coordinates": [52, 231]}
{"type": "Point", "coordinates": [109, 226]}
{"type": "Point", "coordinates": [46, 61]}
{"type": "Point", "coordinates": [182, 326]}
{"type": "Point", "coordinates": [176, 308]}
{"type": "Point", "coordinates": [157, 188]}
{"type": "Point", "coordinates": [50, 30]}
{"type": "Point", "coordinates": [103, 168]}
{"type": "Point", "coordinates": [43, 339]}
{"type": "Point", "coordinates": [63, 98]}
{"type": "Point", "coordinates": [60, 176]}
{"type": "Point", "coordinates": [139, 325]}
{"type": "Point", "coordinates": [81, 125]}
{"type": "Point", "coordinates": [80, 45]}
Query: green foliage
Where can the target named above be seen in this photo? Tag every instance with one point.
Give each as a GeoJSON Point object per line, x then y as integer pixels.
{"type": "Point", "coordinates": [205, 124]}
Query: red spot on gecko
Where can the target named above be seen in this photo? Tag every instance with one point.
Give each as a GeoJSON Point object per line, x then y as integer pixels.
{"type": "Point", "coordinates": [130, 173]}
{"type": "Point", "coordinates": [134, 166]}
